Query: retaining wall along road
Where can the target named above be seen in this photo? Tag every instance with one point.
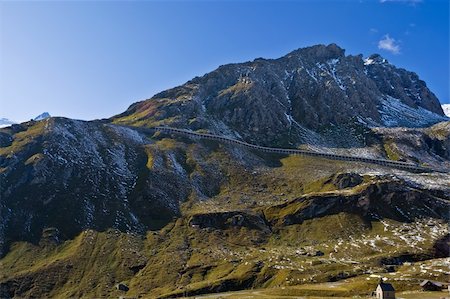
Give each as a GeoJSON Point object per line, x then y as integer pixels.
{"type": "Point", "coordinates": [286, 151]}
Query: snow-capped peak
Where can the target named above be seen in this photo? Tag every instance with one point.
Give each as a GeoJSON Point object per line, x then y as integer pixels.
{"type": "Point", "coordinates": [446, 108]}
{"type": "Point", "coordinates": [375, 59]}
{"type": "Point", "coordinates": [42, 116]}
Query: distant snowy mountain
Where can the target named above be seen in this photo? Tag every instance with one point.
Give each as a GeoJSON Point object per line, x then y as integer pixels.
{"type": "Point", "coordinates": [42, 116]}
{"type": "Point", "coordinates": [446, 108]}
{"type": "Point", "coordinates": [4, 122]}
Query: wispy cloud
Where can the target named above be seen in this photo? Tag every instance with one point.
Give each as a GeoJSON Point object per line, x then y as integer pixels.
{"type": "Point", "coordinates": [410, 2]}
{"type": "Point", "coordinates": [389, 44]}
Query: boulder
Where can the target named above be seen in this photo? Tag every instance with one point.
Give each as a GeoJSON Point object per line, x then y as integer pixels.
{"type": "Point", "coordinates": [346, 180]}
{"type": "Point", "coordinates": [122, 287]}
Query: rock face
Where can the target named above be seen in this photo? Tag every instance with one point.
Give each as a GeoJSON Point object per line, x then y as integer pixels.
{"type": "Point", "coordinates": [386, 199]}
{"type": "Point", "coordinates": [294, 99]}
{"type": "Point", "coordinates": [345, 180]}
{"type": "Point", "coordinates": [228, 219]}
{"type": "Point", "coordinates": [93, 174]}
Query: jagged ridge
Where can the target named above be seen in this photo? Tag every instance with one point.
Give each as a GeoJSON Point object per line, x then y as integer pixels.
{"type": "Point", "coordinates": [299, 98]}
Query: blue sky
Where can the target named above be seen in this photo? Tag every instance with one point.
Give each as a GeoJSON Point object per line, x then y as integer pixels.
{"type": "Point", "coordinates": [91, 60]}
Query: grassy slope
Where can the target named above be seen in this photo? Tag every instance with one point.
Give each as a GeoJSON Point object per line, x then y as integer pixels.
{"type": "Point", "coordinates": [182, 259]}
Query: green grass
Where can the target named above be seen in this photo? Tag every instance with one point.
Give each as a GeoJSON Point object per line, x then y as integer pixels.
{"type": "Point", "coordinates": [239, 87]}
{"type": "Point", "coordinates": [180, 258]}
{"type": "Point", "coordinates": [391, 152]}
{"type": "Point", "coordinates": [22, 139]}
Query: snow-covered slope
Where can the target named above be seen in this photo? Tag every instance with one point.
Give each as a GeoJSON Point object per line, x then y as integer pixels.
{"type": "Point", "coordinates": [446, 108]}
{"type": "Point", "coordinates": [394, 113]}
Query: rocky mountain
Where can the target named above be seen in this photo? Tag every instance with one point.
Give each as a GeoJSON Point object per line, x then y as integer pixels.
{"type": "Point", "coordinates": [303, 97]}
{"type": "Point", "coordinates": [42, 116]}
{"type": "Point", "coordinates": [88, 205]}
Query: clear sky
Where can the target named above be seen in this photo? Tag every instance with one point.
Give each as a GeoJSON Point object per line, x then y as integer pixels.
{"type": "Point", "coordinates": [87, 60]}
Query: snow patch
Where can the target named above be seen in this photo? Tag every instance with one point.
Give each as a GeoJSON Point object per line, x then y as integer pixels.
{"type": "Point", "coordinates": [396, 114]}
{"type": "Point", "coordinates": [446, 108]}
{"type": "Point", "coordinates": [368, 61]}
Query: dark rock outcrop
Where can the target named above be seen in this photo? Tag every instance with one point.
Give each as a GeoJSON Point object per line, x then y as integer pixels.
{"type": "Point", "coordinates": [122, 287]}
{"type": "Point", "coordinates": [392, 200]}
{"type": "Point", "coordinates": [226, 220]}
{"type": "Point", "coordinates": [346, 180]}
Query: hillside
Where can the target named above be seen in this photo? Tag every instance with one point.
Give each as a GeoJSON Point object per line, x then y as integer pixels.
{"type": "Point", "coordinates": [86, 205]}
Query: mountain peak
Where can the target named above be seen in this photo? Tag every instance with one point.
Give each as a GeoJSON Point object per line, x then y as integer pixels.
{"type": "Point", "coordinates": [375, 59]}
{"type": "Point", "coordinates": [320, 52]}
{"type": "Point", "coordinates": [42, 116]}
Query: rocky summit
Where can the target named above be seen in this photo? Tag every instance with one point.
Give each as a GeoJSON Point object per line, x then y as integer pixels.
{"type": "Point", "coordinates": [303, 97]}
{"type": "Point", "coordinates": [111, 208]}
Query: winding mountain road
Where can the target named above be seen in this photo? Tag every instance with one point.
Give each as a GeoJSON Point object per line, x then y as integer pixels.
{"type": "Point", "coordinates": [287, 151]}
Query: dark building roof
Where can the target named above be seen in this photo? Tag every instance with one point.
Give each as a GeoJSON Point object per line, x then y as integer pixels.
{"type": "Point", "coordinates": [386, 287]}
{"type": "Point", "coordinates": [423, 283]}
